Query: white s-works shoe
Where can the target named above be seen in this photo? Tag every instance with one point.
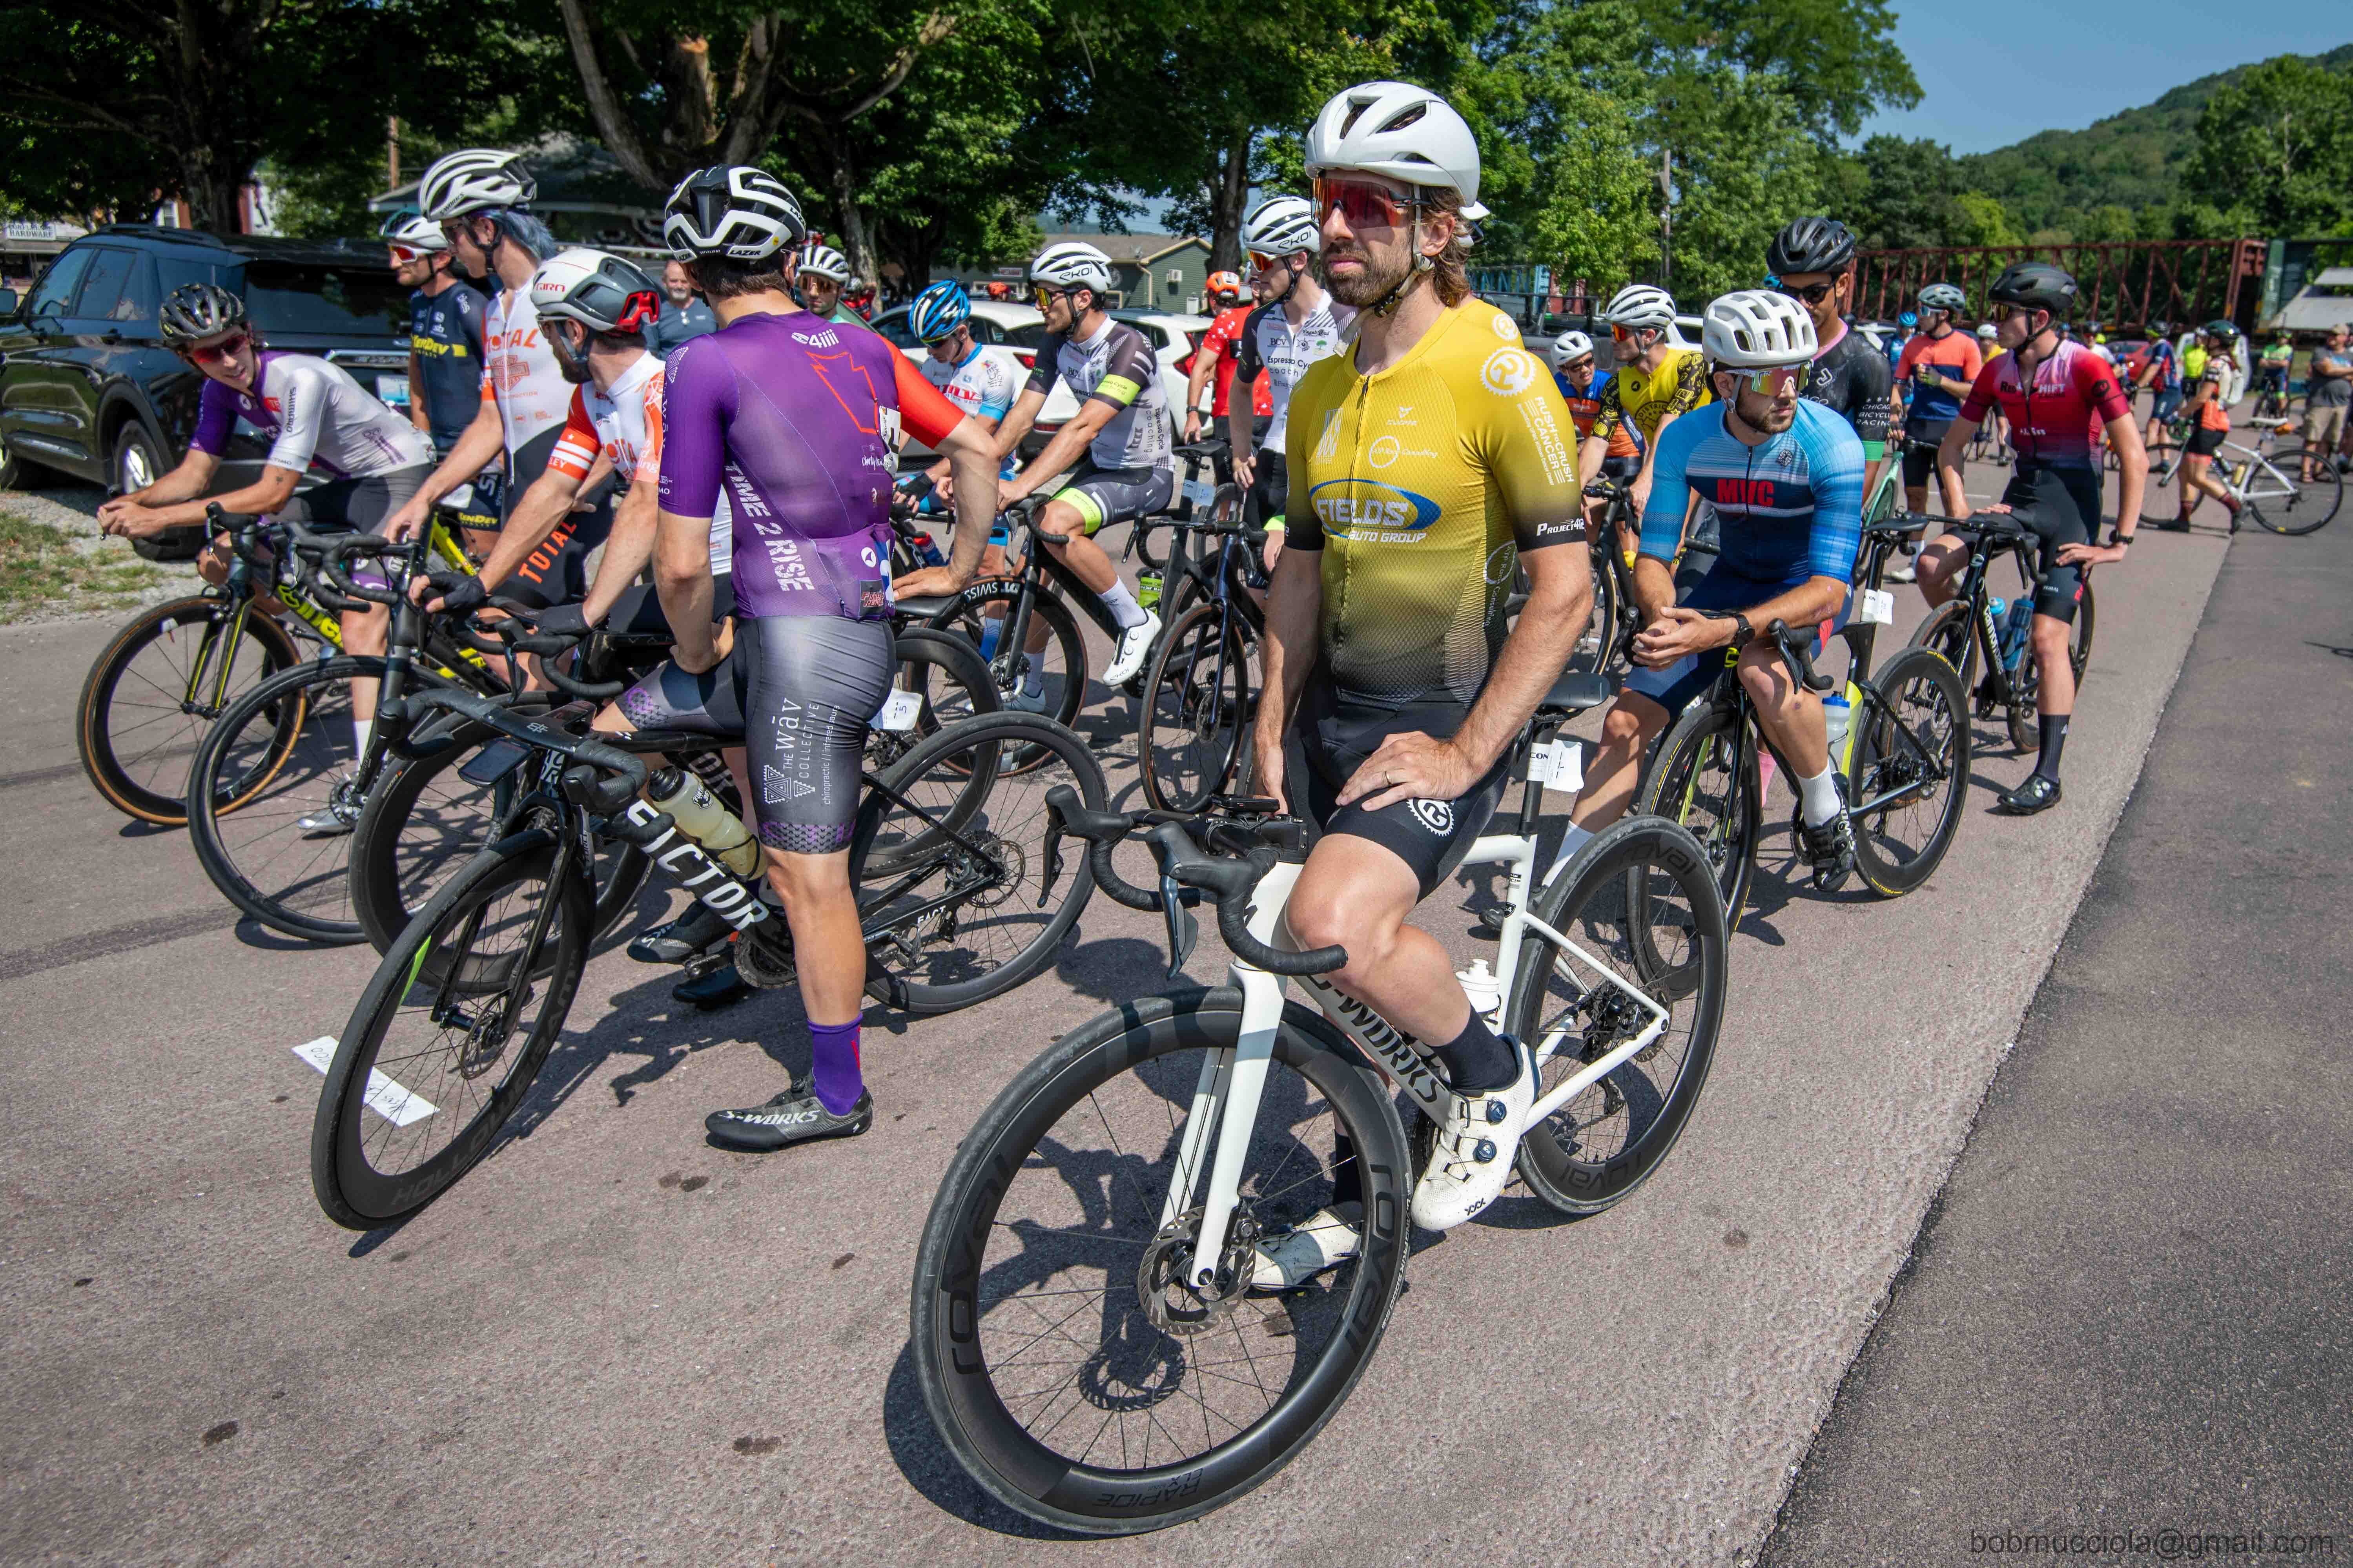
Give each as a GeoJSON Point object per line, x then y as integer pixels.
{"type": "Point", "coordinates": [1471, 1160]}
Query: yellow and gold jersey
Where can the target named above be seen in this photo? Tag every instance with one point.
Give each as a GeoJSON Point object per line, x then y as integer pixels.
{"type": "Point", "coordinates": [1420, 485]}
{"type": "Point", "coordinates": [1641, 399]}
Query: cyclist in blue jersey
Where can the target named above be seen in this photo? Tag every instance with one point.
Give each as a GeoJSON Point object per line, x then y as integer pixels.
{"type": "Point", "coordinates": [983, 390]}
{"type": "Point", "coordinates": [1784, 475]}
{"type": "Point", "coordinates": [793, 419]}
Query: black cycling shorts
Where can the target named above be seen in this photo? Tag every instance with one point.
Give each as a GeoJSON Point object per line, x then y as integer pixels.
{"type": "Point", "coordinates": [638, 612]}
{"type": "Point", "coordinates": [1920, 456]}
{"type": "Point", "coordinates": [1270, 491]}
{"type": "Point", "coordinates": [558, 572]}
{"type": "Point", "coordinates": [2204, 442]}
{"type": "Point", "coordinates": [1107, 495]}
{"type": "Point", "coordinates": [2060, 506]}
{"type": "Point", "coordinates": [799, 691]}
{"type": "Point", "coordinates": [1429, 836]}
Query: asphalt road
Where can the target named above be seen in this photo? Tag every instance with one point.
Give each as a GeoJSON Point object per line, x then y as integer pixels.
{"type": "Point", "coordinates": [2126, 1313]}
{"type": "Point", "coordinates": [615, 1343]}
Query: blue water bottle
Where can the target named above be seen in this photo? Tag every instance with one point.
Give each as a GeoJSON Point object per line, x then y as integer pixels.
{"type": "Point", "coordinates": [2013, 636]}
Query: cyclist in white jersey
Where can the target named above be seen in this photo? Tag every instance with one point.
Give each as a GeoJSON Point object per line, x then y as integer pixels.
{"type": "Point", "coordinates": [1298, 325]}
{"type": "Point", "coordinates": [365, 460]}
{"type": "Point", "coordinates": [596, 312]}
{"type": "Point", "coordinates": [1111, 463]}
{"type": "Point", "coordinates": [477, 198]}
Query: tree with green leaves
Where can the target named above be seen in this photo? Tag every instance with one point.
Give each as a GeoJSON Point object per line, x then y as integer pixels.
{"type": "Point", "coordinates": [114, 108]}
{"type": "Point", "coordinates": [811, 92]}
{"type": "Point", "coordinates": [2275, 148]}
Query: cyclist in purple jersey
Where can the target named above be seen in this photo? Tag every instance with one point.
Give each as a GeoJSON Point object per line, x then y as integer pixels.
{"type": "Point", "coordinates": [365, 459]}
{"type": "Point", "coordinates": [797, 418]}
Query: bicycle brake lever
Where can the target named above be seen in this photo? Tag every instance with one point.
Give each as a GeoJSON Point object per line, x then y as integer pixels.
{"type": "Point", "coordinates": [1183, 929]}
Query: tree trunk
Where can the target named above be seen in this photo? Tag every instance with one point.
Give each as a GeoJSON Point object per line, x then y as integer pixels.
{"type": "Point", "coordinates": [857, 235]}
{"type": "Point", "coordinates": [1226, 210]}
{"type": "Point", "coordinates": [214, 178]}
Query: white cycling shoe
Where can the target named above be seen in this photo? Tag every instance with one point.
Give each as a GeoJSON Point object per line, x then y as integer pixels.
{"type": "Point", "coordinates": [1471, 1160]}
{"type": "Point", "coordinates": [1325, 1239]}
{"type": "Point", "coordinates": [1135, 647]}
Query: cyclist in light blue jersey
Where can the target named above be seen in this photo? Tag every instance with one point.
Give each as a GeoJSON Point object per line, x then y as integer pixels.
{"type": "Point", "coordinates": [1784, 475]}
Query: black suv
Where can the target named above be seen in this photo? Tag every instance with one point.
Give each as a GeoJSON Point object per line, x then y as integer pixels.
{"type": "Point", "coordinates": [87, 389]}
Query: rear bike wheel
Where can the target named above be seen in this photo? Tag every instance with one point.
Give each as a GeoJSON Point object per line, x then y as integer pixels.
{"type": "Point", "coordinates": [1196, 712]}
{"type": "Point", "coordinates": [1065, 1360]}
{"type": "Point", "coordinates": [291, 877]}
{"type": "Point", "coordinates": [1643, 910]}
{"type": "Point", "coordinates": [958, 895]}
{"type": "Point", "coordinates": [1061, 665]}
{"type": "Point", "coordinates": [1704, 780]}
{"type": "Point", "coordinates": [438, 1055]}
{"type": "Point", "coordinates": [147, 701]}
{"type": "Point", "coordinates": [1923, 779]}
{"type": "Point", "coordinates": [425, 819]}
{"type": "Point", "coordinates": [949, 682]}
{"type": "Point", "coordinates": [2282, 500]}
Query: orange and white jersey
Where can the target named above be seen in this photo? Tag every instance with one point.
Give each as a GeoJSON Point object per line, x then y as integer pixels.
{"type": "Point", "coordinates": [624, 422]}
{"type": "Point", "coordinates": [519, 374]}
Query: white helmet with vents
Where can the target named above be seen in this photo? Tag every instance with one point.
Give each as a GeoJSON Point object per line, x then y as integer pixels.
{"type": "Point", "coordinates": [1282, 226]}
{"type": "Point", "coordinates": [1640, 305]}
{"type": "Point", "coordinates": [1073, 264]}
{"type": "Point", "coordinates": [1757, 329]}
{"type": "Point", "coordinates": [477, 179]}
{"type": "Point", "coordinates": [1401, 131]}
{"type": "Point", "coordinates": [1569, 347]}
{"type": "Point", "coordinates": [826, 262]}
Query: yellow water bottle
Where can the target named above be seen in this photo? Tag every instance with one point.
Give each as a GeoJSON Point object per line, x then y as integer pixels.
{"type": "Point", "coordinates": [701, 817]}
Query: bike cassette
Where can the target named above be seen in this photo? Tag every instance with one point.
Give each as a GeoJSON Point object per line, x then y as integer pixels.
{"type": "Point", "coordinates": [1172, 1304]}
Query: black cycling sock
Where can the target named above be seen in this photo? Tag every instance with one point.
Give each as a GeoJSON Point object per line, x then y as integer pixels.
{"type": "Point", "coordinates": [1477, 1061]}
{"type": "Point", "coordinates": [2054, 740]}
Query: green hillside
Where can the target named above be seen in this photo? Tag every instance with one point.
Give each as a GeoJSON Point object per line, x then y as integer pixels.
{"type": "Point", "coordinates": [2131, 160]}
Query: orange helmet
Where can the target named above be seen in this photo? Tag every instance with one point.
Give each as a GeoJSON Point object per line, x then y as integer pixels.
{"type": "Point", "coordinates": [998, 291]}
{"type": "Point", "coordinates": [1224, 285]}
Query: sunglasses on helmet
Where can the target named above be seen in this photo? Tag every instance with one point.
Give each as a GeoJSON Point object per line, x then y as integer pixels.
{"type": "Point", "coordinates": [1363, 203]}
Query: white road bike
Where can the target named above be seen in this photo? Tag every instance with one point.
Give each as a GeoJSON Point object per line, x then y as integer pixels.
{"type": "Point", "coordinates": [1091, 1329]}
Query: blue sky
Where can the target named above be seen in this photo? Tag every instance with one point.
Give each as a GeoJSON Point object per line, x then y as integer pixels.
{"type": "Point", "coordinates": [1996, 71]}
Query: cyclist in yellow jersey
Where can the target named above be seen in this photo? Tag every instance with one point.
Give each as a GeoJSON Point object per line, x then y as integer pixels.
{"type": "Point", "coordinates": [1425, 461]}
{"type": "Point", "coordinates": [1655, 381]}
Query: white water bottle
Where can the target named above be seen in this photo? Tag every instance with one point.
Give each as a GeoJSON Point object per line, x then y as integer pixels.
{"type": "Point", "coordinates": [1837, 714]}
{"type": "Point", "coordinates": [1485, 990]}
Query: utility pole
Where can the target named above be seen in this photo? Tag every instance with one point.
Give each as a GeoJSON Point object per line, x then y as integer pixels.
{"type": "Point", "coordinates": [1666, 215]}
{"type": "Point", "coordinates": [391, 152]}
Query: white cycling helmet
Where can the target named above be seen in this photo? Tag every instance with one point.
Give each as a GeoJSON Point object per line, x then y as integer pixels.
{"type": "Point", "coordinates": [1640, 305]}
{"type": "Point", "coordinates": [731, 210]}
{"type": "Point", "coordinates": [1757, 329]}
{"type": "Point", "coordinates": [1986, 330]}
{"type": "Point", "coordinates": [1282, 226]}
{"type": "Point", "coordinates": [826, 262]}
{"type": "Point", "coordinates": [1943, 297]}
{"type": "Point", "coordinates": [1569, 347]}
{"type": "Point", "coordinates": [419, 233]}
{"type": "Point", "coordinates": [1073, 264]}
{"type": "Point", "coordinates": [477, 179]}
{"type": "Point", "coordinates": [1401, 132]}
{"type": "Point", "coordinates": [601, 291]}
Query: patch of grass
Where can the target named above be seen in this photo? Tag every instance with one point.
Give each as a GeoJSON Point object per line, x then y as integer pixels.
{"type": "Point", "coordinates": [40, 569]}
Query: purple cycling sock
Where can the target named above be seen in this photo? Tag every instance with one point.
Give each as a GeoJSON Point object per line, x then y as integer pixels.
{"type": "Point", "coordinates": [834, 1075]}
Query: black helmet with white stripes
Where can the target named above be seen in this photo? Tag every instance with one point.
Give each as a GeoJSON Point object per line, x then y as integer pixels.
{"type": "Point", "coordinates": [734, 211]}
